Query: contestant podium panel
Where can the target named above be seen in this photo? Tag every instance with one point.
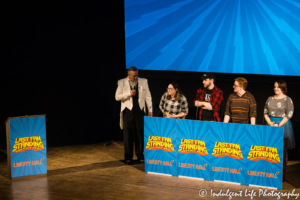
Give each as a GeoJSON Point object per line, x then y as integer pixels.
{"type": "Point", "coordinates": [216, 151]}
{"type": "Point", "coordinates": [26, 146]}
{"type": "Point", "coordinates": [160, 145]}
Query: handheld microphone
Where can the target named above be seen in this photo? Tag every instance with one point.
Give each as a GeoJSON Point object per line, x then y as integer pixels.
{"type": "Point", "coordinates": [133, 88]}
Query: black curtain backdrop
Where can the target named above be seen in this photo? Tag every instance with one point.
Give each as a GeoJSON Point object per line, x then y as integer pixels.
{"type": "Point", "coordinates": [63, 59]}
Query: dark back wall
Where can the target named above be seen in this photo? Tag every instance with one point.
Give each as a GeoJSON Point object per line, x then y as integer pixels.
{"type": "Point", "coordinates": [62, 59]}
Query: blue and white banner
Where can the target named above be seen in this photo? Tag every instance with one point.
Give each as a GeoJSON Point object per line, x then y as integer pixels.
{"type": "Point", "coordinates": [193, 156]}
{"type": "Point", "coordinates": [160, 145]}
{"type": "Point", "coordinates": [264, 149]}
{"type": "Point", "coordinates": [28, 146]}
{"type": "Point", "coordinates": [227, 161]}
{"type": "Point", "coordinates": [240, 153]}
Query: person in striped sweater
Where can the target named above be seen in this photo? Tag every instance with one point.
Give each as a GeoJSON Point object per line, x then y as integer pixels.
{"type": "Point", "coordinates": [241, 105]}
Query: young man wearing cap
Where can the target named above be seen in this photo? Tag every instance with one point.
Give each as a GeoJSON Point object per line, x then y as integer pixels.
{"type": "Point", "coordinates": [209, 99]}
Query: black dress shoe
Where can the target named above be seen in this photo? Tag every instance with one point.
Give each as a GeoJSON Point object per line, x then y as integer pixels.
{"type": "Point", "coordinates": [141, 160]}
{"type": "Point", "coordinates": [127, 162]}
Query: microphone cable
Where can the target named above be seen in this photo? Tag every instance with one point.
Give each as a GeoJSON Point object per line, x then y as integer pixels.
{"type": "Point", "coordinates": [197, 111]}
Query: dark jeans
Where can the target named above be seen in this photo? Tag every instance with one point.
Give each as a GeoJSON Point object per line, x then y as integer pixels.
{"type": "Point", "coordinates": [133, 130]}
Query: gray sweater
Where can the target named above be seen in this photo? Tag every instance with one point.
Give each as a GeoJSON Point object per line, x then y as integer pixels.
{"type": "Point", "coordinates": [279, 107]}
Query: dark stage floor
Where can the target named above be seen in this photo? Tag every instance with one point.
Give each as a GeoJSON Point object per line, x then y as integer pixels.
{"type": "Point", "coordinates": [97, 172]}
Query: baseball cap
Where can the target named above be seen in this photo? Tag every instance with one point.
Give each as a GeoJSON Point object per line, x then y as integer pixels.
{"type": "Point", "coordinates": [208, 75]}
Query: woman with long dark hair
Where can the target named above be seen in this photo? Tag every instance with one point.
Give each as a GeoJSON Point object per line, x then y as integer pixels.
{"type": "Point", "coordinates": [173, 103]}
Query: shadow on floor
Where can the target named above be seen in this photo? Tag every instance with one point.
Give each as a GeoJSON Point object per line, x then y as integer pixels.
{"type": "Point", "coordinates": [136, 164]}
{"type": "Point", "coordinates": [292, 175]}
{"type": "Point", "coordinates": [84, 168]}
{"type": "Point", "coordinates": [3, 165]}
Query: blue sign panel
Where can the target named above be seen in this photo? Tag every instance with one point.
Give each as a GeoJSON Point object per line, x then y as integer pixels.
{"type": "Point", "coordinates": [240, 153]}
{"type": "Point", "coordinates": [264, 148]}
{"type": "Point", "coordinates": [228, 153]}
{"type": "Point", "coordinates": [28, 146]}
{"type": "Point", "coordinates": [193, 142]}
{"type": "Point", "coordinates": [160, 145]}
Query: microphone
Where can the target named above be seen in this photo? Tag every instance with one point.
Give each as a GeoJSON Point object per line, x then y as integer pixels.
{"type": "Point", "coordinates": [133, 88]}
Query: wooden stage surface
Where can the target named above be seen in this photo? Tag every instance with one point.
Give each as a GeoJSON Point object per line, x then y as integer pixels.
{"type": "Point", "coordinates": [98, 172]}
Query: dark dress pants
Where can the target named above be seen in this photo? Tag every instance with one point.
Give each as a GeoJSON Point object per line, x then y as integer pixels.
{"type": "Point", "coordinates": [133, 130]}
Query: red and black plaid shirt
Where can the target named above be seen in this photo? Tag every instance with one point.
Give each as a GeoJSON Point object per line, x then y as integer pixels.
{"type": "Point", "coordinates": [216, 98]}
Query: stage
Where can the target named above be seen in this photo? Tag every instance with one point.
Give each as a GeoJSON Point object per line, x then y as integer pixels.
{"type": "Point", "coordinates": [98, 172]}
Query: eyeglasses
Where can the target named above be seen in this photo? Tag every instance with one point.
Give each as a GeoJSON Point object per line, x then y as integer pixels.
{"type": "Point", "coordinates": [170, 88]}
{"type": "Point", "coordinates": [236, 86]}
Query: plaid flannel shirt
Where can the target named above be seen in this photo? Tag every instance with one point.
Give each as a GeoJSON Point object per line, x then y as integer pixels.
{"type": "Point", "coordinates": [216, 99]}
{"type": "Point", "coordinates": [173, 106]}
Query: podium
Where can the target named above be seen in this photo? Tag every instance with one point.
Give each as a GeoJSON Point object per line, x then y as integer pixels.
{"type": "Point", "coordinates": [26, 146]}
{"type": "Point", "coordinates": [215, 151]}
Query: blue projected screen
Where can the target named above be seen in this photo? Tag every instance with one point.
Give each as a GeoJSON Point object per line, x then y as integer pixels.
{"type": "Point", "coordinates": [226, 36]}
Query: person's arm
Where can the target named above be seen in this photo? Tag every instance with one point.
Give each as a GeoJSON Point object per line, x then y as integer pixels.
{"type": "Point", "coordinates": [252, 120]}
{"type": "Point", "coordinates": [196, 101]}
{"type": "Point", "coordinates": [266, 113]}
{"type": "Point", "coordinates": [289, 112]}
{"type": "Point", "coordinates": [268, 120]}
{"type": "Point", "coordinates": [148, 99]}
{"type": "Point", "coordinates": [119, 93]}
{"type": "Point", "coordinates": [206, 105]}
{"type": "Point", "coordinates": [184, 107]}
{"type": "Point", "coordinates": [216, 101]}
{"type": "Point", "coordinates": [253, 113]}
{"type": "Point", "coordinates": [283, 121]}
{"type": "Point", "coordinates": [227, 110]}
{"type": "Point", "coordinates": [182, 114]}
{"type": "Point", "coordinates": [226, 118]}
{"type": "Point", "coordinates": [162, 104]}
{"type": "Point", "coordinates": [202, 104]}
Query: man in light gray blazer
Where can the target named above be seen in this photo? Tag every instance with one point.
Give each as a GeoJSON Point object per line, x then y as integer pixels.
{"type": "Point", "coordinates": [133, 92]}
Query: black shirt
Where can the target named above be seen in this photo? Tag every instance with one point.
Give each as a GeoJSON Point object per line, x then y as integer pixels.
{"type": "Point", "coordinates": [207, 115]}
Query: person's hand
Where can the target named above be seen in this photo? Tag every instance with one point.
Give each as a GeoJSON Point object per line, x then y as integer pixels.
{"type": "Point", "coordinates": [276, 125]}
{"type": "Point", "coordinates": [169, 115]}
{"type": "Point", "coordinates": [150, 114]}
{"type": "Point", "coordinates": [272, 123]}
{"type": "Point", "coordinates": [197, 103]}
{"type": "Point", "coordinates": [207, 106]}
{"type": "Point", "coordinates": [132, 92]}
